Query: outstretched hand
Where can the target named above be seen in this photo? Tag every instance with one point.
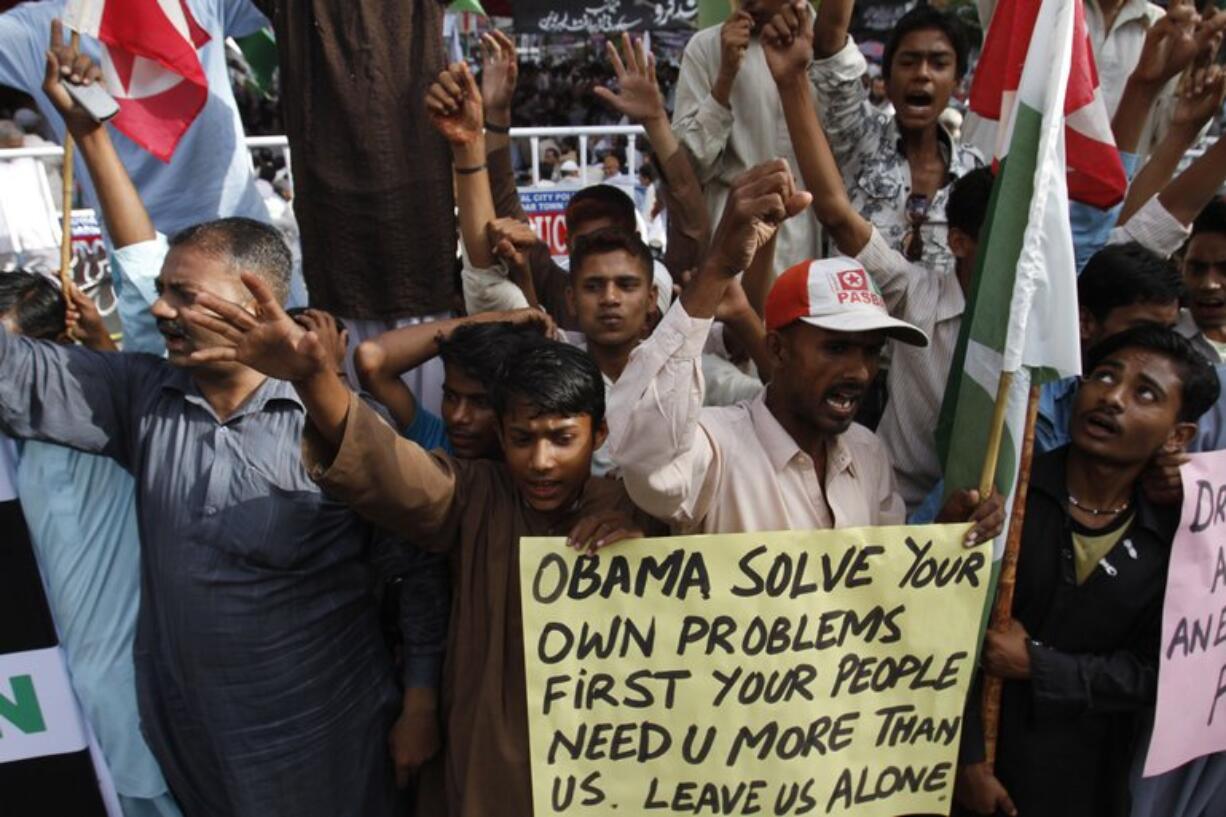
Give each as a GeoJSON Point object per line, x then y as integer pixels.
{"type": "Point", "coordinates": [454, 105]}
{"type": "Point", "coordinates": [787, 41]}
{"type": "Point", "coordinates": [638, 97]}
{"type": "Point", "coordinates": [267, 340]}
{"type": "Point", "coordinates": [499, 70]}
{"type": "Point", "coordinates": [66, 63]}
{"type": "Point", "coordinates": [761, 199]}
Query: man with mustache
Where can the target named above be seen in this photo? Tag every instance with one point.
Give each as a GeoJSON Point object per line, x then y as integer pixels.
{"type": "Point", "coordinates": [262, 681]}
{"type": "Point", "coordinates": [1204, 278]}
{"type": "Point", "coordinates": [1080, 656]}
{"type": "Point", "coordinates": [792, 458]}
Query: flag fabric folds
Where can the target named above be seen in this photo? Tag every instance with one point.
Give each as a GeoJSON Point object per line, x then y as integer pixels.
{"type": "Point", "coordinates": [150, 65]}
{"type": "Point", "coordinates": [1022, 315]}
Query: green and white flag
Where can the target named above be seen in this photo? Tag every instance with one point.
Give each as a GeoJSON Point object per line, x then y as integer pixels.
{"type": "Point", "coordinates": [1022, 315]}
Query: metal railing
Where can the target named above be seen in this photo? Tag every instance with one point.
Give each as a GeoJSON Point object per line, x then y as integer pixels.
{"type": "Point", "coordinates": [534, 136]}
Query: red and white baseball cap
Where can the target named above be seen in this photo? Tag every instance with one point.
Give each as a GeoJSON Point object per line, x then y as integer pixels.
{"type": "Point", "coordinates": [838, 295]}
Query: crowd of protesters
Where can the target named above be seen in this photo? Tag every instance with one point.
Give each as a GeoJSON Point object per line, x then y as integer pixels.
{"type": "Point", "coordinates": [291, 584]}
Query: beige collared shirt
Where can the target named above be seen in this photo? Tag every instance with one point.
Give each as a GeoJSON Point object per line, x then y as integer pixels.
{"type": "Point", "coordinates": [732, 469]}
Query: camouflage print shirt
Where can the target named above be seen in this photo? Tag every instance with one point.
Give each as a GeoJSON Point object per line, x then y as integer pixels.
{"type": "Point", "coordinates": [868, 147]}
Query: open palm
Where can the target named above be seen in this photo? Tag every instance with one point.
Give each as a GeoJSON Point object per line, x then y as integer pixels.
{"type": "Point", "coordinates": [269, 341]}
{"type": "Point", "coordinates": [638, 96]}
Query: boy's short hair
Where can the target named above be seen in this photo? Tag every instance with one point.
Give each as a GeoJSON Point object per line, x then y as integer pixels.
{"type": "Point", "coordinates": [245, 244]}
{"type": "Point", "coordinates": [1126, 274]}
{"type": "Point", "coordinates": [923, 17]}
{"type": "Point", "coordinates": [601, 201]}
{"type": "Point", "coordinates": [968, 201]}
{"type": "Point", "coordinates": [1212, 219]}
{"type": "Point", "coordinates": [33, 303]}
{"type": "Point", "coordinates": [555, 378]}
{"type": "Point", "coordinates": [1200, 385]}
{"type": "Point", "coordinates": [611, 239]}
{"type": "Point", "coordinates": [481, 349]}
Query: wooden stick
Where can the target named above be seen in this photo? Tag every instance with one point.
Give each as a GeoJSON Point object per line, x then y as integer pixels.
{"type": "Point", "coordinates": [66, 203]}
{"type": "Point", "coordinates": [1002, 608]}
{"type": "Point", "coordinates": [987, 477]}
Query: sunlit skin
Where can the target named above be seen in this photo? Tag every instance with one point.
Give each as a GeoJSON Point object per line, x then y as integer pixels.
{"type": "Point", "coordinates": [1204, 276]}
{"type": "Point", "coordinates": [820, 379]}
{"type": "Point", "coordinates": [611, 295]}
{"type": "Point", "coordinates": [468, 416]}
{"type": "Point", "coordinates": [1128, 407]}
{"type": "Point", "coordinates": [923, 75]}
{"type": "Point", "coordinates": [548, 456]}
{"type": "Point", "coordinates": [1126, 317]}
{"type": "Point", "coordinates": [186, 272]}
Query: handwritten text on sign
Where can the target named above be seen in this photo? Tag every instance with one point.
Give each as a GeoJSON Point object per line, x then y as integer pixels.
{"type": "Point", "coordinates": [784, 673]}
{"type": "Point", "coordinates": [1191, 717]}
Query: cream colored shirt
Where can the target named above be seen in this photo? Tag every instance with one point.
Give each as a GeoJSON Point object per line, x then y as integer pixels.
{"type": "Point", "coordinates": [726, 142]}
{"type": "Point", "coordinates": [732, 469]}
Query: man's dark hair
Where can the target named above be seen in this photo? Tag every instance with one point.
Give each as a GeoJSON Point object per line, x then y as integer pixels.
{"type": "Point", "coordinates": [925, 17]}
{"type": "Point", "coordinates": [968, 201]}
{"type": "Point", "coordinates": [33, 303]}
{"type": "Point", "coordinates": [1126, 274]}
{"type": "Point", "coordinates": [600, 201]}
{"type": "Point", "coordinates": [1212, 219]}
{"type": "Point", "coordinates": [481, 349]}
{"type": "Point", "coordinates": [298, 311]}
{"type": "Point", "coordinates": [611, 239]}
{"type": "Point", "coordinates": [1197, 375]}
{"type": "Point", "coordinates": [555, 378]}
{"type": "Point", "coordinates": [246, 245]}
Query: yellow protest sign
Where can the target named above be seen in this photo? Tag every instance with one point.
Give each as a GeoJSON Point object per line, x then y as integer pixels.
{"type": "Point", "coordinates": [781, 673]}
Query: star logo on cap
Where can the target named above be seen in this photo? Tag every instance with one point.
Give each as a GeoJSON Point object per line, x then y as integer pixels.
{"type": "Point", "coordinates": [852, 279]}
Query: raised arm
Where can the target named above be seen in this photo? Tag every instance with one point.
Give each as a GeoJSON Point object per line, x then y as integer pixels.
{"type": "Point", "coordinates": [703, 116]}
{"type": "Point", "coordinates": [138, 255]}
{"type": "Point", "coordinates": [382, 360]}
{"type": "Point", "coordinates": [788, 43]}
{"type": "Point", "coordinates": [127, 222]}
{"type": "Point", "coordinates": [830, 27]}
{"type": "Point", "coordinates": [668, 462]}
{"type": "Point", "coordinates": [455, 108]}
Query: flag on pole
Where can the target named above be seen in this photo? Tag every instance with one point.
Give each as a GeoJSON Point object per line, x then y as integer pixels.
{"type": "Point", "coordinates": [149, 64]}
{"type": "Point", "coordinates": [1021, 316]}
{"type": "Point", "coordinates": [1095, 172]}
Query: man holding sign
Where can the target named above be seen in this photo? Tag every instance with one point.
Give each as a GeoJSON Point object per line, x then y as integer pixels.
{"type": "Point", "coordinates": [1080, 657]}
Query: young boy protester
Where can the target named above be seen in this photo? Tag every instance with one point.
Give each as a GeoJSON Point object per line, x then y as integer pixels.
{"type": "Point", "coordinates": [916, 293]}
{"type": "Point", "coordinates": [897, 169]}
{"type": "Point", "coordinates": [1080, 656]}
{"type": "Point", "coordinates": [473, 350]}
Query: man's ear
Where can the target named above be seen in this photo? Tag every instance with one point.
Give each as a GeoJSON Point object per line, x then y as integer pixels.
{"type": "Point", "coordinates": [1180, 438]}
{"type": "Point", "coordinates": [1089, 326]}
{"type": "Point", "coordinates": [570, 301]}
{"type": "Point", "coordinates": [600, 434]}
{"type": "Point", "coordinates": [775, 345]}
{"type": "Point", "coordinates": [961, 244]}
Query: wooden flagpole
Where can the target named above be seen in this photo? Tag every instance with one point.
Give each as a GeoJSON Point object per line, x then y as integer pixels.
{"type": "Point", "coordinates": [66, 204]}
{"type": "Point", "coordinates": [987, 477]}
{"type": "Point", "coordinates": [1002, 607]}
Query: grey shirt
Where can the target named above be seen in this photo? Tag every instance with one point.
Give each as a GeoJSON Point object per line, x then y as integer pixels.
{"type": "Point", "coordinates": [263, 683]}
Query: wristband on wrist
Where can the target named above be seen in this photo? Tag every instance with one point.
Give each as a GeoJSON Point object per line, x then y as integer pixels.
{"type": "Point", "coordinates": [468, 171]}
{"type": "Point", "coordinates": [502, 129]}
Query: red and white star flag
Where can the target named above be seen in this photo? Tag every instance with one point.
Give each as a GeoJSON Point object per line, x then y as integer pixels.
{"type": "Point", "coordinates": [1095, 173]}
{"type": "Point", "coordinates": [150, 65]}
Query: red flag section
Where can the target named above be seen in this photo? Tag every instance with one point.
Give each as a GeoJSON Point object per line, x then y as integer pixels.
{"type": "Point", "coordinates": [150, 65]}
{"type": "Point", "coordinates": [1095, 173]}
